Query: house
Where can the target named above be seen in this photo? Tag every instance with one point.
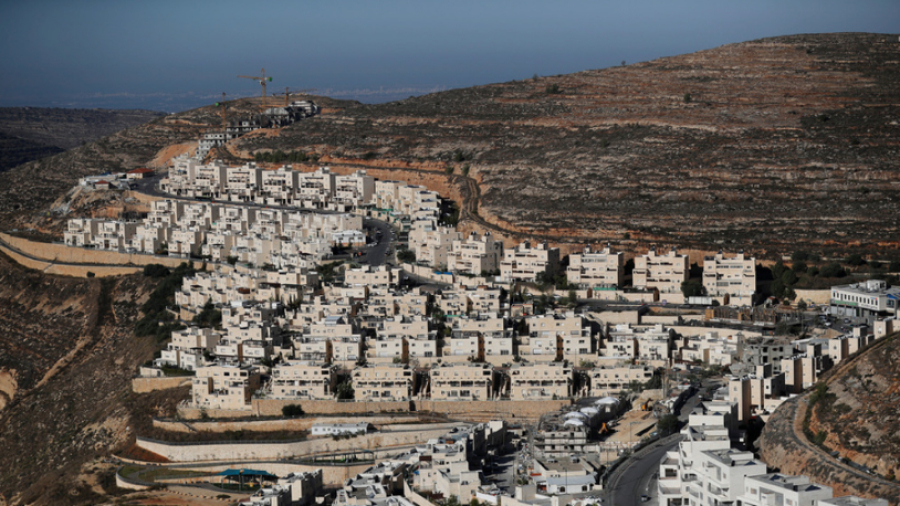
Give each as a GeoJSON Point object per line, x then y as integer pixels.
{"type": "Point", "coordinates": [139, 173]}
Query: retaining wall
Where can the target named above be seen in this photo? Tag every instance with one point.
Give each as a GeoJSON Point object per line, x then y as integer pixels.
{"type": "Point", "coordinates": [290, 424]}
{"type": "Point", "coordinates": [814, 296]}
{"type": "Point", "coordinates": [144, 385]}
{"type": "Point", "coordinates": [61, 253]}
{"type": "Point", "coordinates": [68, 269]}
{"type": "Point", "coordinates": [263, 450]}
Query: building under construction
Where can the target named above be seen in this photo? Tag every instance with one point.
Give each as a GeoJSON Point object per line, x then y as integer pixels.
{"type": "Point", "coordinates": [272, 117]}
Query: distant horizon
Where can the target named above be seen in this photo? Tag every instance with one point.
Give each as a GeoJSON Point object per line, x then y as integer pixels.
{"type": "Point", "coordinates": [172, 56]}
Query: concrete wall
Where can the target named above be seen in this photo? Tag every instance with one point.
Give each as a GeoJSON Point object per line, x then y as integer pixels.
{"type": "Point", "coordinates": [261, 450]}
{"type": "Point", "coordinates": [290, 424]}
{"type": "Point", "coordinates": [272, 407]}
{"type": "Point", "coordinates": [128, 485]}
{"type": "Point", "coordinates": [68, 269]}
{"type": "Point", "coordinates": [144, 385]}
{"type": "Point", "coordinates": [814, 296]}
{"type": "Point", "coordinates": [66, 254]}
{"type": "Point", "coordinates": [488, 410]}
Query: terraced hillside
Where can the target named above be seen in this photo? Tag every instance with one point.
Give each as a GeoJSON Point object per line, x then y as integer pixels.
{"type": "Point", "coordinates": [768, 145]}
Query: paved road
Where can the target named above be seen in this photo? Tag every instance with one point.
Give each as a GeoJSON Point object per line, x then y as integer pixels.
{"type": "Point", "coordinates": [635, 477]}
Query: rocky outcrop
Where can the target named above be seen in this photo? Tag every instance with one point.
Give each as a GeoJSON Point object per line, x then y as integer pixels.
{"type": "Point", "coordinates": [854, 420]}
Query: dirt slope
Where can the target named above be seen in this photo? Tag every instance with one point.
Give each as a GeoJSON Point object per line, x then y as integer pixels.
{"type": "Point", "coordinates": [69, 344]}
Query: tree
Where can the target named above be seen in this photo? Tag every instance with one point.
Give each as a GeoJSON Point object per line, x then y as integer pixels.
{"type": "Point", "coordinates": [799, 266]}
{"type": "Point", "coordinates": [799, 256]}
{"type": "Point", "coordinates": [406, 256]}
{"type": "Point", "coordinates": [778, 269]}
{"type": "Point", "coordinates": [291, 410]}
{"type": "Point", "coordinates": [789, 278]}
{"type": "Point", "coordinates": [692, 288]}
{"type": "Point", "coordinates": [553, 89]}
{"type": "Point", "coordinates": [833, 270]}
{"type": "Point", "coordinates": [687, 98]}
{"type": "Point", "coordinates": [668, 424]}
{"type": "Point", "coordinates": [802, 305]}
{"type": "Point", "coordinates": [209, 316]}
{"type": "Point", "coordinates": [345, 390]}
{"type": "Point", "coordinates": [855, 260]}
{"type": "Point", "coordinates": [156, 271]}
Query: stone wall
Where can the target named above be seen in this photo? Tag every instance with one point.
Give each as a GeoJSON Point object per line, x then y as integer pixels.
{"type": "Point", "coordinates": [80, 271]}
{"type": "Point", "coordinates": [279, 425]}
{"type": "Point", "coordinates": [509, 411]}
{"type": "Point", "coordinates": [814, 296]}
{"type": "Point", "coordinates": [272, 407]}
{"type": "Point", "coordinates": [263, 450]}
{"type": "Point", "coordinates": [144, 385]}
{"type": "Point", "coordinates": [66, 254]}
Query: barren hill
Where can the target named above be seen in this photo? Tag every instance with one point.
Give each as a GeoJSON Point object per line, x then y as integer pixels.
{"type": "Point", "coordinates": [30, 133]}
{"type": "Point", "coordinates": [67, 356]}
{"type": "Point", "coordinates": [768, 145]}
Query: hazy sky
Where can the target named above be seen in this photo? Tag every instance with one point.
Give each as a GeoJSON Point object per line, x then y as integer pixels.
{"type": "Point", "coordinates": [174, 55]}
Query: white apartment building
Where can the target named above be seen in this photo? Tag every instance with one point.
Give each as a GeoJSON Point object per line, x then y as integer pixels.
{"type": "Point", "coordinates": [558, 337]}
{"type": "Point", "coordinates": [476, 254]}
{"type": "Point", "coordinates": [526, 262]}
{"type": "Point", "coordinates": [604, 268]}
{"type": "Point", "coordinates": [540, 380]}
{"type": "Point", "coordinates": [664, 273]}
{"type": "Point", "coordinates": [777, 488]}
{"type": "Point", "coordinates": [382, 382]}
{"type": "Point", "coordinates": [224, 386]}
{"type": "Point", "coordinates": [462, 382]}
{"type": "Point", "coordinates": [730, 279]}
{"type": "Point", "coordinates": [608, 381]}
{"type": "Point", "coordinates": [297, 379]}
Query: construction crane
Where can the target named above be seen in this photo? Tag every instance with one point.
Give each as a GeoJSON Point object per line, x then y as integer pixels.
{"type": "Point", "coordinates": [224, 113]}
{"type": "Point", "coordinates": [287, 93]}
{"type": "Point", "coordinates": [262, 80]}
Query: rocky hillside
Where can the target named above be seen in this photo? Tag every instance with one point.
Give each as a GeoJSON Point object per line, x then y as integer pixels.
{"type": "Point", "coordinates": [68, 355]}
{"type": "Point", "coordinates": [767, 145]}
{"type": "Point", "coordinates": [30, 133]}
{"type": "Point", "coordinates": [854, 413]}
{"type": "Point", "coordinates": [771, 145]}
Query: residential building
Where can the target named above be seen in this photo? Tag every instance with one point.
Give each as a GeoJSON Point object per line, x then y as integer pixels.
{"type": "Point", "coordinates": [664, 273]}
{"type": "Point", "coordinates": [540, 380]}
{"type": "Point", "coordinates": [385, 382]}
{"type": "Point", "coordinates": [604, 268]}
{"type": "Point", "coordinates": [462, 382]}
{"type": "Point", "coordinates": [732, 280]}
{"type": "Point", "coordinates": [526, 262]}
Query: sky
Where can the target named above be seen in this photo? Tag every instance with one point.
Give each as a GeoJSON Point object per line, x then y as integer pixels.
{"type": "Point", "coordinates": [176, 55]}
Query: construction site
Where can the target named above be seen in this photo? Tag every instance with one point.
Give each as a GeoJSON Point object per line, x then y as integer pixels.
{"type": "Point", "coordinates": [274, 116]}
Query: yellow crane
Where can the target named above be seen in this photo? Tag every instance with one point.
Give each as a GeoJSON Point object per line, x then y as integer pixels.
{"type": "Point", "coordinates": [262, 80]}
{"type": "Point", "coordinates": [224, 113]}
